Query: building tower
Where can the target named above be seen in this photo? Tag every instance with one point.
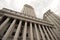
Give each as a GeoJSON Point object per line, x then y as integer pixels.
{"type": "Point", "coordinates": [54, 19]}
{"type": "Point", "coordinates": [22, 26]}
{"type": "Point", "coordinates": [29, 10]}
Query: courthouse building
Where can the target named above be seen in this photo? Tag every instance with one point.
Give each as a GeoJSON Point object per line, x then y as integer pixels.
{"type": "Point", "coordinates": [25, 25]}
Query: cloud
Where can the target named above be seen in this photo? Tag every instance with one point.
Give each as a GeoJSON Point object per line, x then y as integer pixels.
{"type": "Point", "coordinates": [40, 6]}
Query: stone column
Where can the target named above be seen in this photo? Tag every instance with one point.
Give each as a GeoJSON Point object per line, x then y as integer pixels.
{"type": "Point", "coordinates": [4, 23]}
{"type": "Point", "coordinates": [37, 32]}
{"type": "Point", "coordinates": [17, 31]}
{"type": "Point", "coordinates": [50, 34]}
{"type": "Point", "coordinates": [53, 33]}
{"type": "Point", "coordinates": [31, 32]}
{"type": "Point", "coordinates": [9, 30]}
{"type": "Point", "coordinates": [46, 33]}
{"type": "Point", "coordinates": [43, 37]}
{"type": "Point", "coordinates": [25, 31]}
{"type": "Point", "coordinates": [4, 29]}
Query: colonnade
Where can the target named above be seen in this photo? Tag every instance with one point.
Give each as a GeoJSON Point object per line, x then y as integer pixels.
{"type": "Point", "coordinates": [45, 30]}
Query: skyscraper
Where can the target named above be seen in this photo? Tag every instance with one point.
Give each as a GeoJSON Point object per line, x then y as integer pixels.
{"type": "Point", "coordinates": [29, 10]}
{"type": "Point", "coordinates": [24, 26]}
{"type": "Point", "coordinates": [54, 19]}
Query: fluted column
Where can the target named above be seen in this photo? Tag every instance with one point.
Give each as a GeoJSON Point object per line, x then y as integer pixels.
{"type": "Point", "coordinates": [9, 30]}
{"type": "Point", "coordinates": [53, 33]}
{"type": "Point", "coordinates": [37, 32]}
{"type": "Point", "coordinates": [31, 32]}
{"type": "Point", "coordinates": [25, 31]}
{"type": "Point", "coordinates": [4, 23]}
{"type": "Point", "coordinates": [46, 32]}
{"type": "Point", "coordinates": [17, 31]}
{"type": "Point", "coordinates": [43, 37]}
{"type": "Point", "coordinates": [50, 34]}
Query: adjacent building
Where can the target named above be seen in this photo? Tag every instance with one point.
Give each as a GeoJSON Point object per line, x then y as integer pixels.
{"type": "Point", "coordinates": [24, 25]}
{"type": "Point", "coordinates": [54, 19]}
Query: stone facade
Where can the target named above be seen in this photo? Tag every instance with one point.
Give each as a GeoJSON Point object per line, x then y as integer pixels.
{"type": "Point", "coordinates": [54, 19]}
{"type": "Point", "coordinates": [29, 10]}
{"type": "Point", "coordinates": [21, 26]}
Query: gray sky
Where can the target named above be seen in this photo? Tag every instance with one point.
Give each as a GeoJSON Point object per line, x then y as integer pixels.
{"type": "Point", "coordinates": [40, 6]}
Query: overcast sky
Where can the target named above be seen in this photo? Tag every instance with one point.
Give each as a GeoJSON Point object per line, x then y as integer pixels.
{"type": "Point", "coordinates": [40, 6]}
